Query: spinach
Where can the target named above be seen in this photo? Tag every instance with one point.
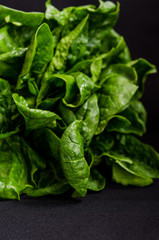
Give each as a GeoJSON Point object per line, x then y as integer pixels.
{"type": "Point", "coordinates": [39, 54]}
{"type": "Point", "coordinates": [73, 161]}
{"type": "Point", "coordinates": [70, 103]}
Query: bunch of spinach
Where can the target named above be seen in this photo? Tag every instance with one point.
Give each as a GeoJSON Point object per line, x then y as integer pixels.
{"type": "Point", "coordinates": [69, 103]}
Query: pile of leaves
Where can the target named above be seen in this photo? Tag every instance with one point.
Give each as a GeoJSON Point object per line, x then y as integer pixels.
{"type": "Point", "coordinates": [69, 103]}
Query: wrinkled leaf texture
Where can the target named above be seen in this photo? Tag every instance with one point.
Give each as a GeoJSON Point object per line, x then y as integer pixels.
{"type": "Point", "coordinates": [70, 103]}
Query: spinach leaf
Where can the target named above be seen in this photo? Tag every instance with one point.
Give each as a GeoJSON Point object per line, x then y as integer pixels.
{"type": "Point", "coordinates": [113, 98]}
{"type": "Point", "coordinates": [135, 157]}
{"type": "Point", "coordinates": [126, 178]}
{"type": "Point", "coordinates": [19, 18]}
{"type": "Point", "coordinates": [66, 114]}
{"type": "Point", "coordinates": [85, 86]}
{"type": "Point", "coordinates": [15, 174]}
{"type": "Point", "coordinates": [35, 118]}
{"type": "Point", "coordinates": [131, 120]}
{"type": "Point", "coordinates": [50, 179]}
{"type": "Point", "coordinates": [75, 167]}
{"type": "Point", "coordinates": [7, 43]}
{"type": "Point", "coordinates": [11, 63]}
{"type": "Point", "coordinates": [143, 69]}
{"type": "Point", "coordinates": [39, 54]}
{"type": "Point", "coordinates": [7, 127]}
{"type": "Point", "coordinates": [52, 13]}
{"type": "Point", "coordinates": [96, 181]}
{"type": "Point", "coordinates": [65, 43]}
{"type": "Point", "coordinates": [141, 156]}
{"type": "Point", "coordinates": [89, 113]}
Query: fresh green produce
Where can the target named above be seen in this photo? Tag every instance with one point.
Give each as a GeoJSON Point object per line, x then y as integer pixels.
{"type": "Point", "coordinates": [70, 103]}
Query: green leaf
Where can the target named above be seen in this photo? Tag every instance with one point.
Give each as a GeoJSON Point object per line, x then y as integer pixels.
{"type": "Point", "coordinates": [8, 134]}
{"type": "Point", "coordinates": [48, 103]}
{"type": "Point", "coordinates": [56, 81]}
{"type": "Point", "coordinates": [96, 181]}
{"type": "Point", "coordinates": [39, 54]}
{"type": "Point", "coordinates": [53, 13]}
{"type": "Point", "coordinates": [6, 109]}
{"type": "Point", "coordinates": [131, 120]}
{"type": "Point", "coordinates": [115, 46]}
{"type": "Point", "coordinates": [79, 47]}
{"type": "Point", "coordinates": [89, 113]}
{"type": "Point", "coordinates": [49, 180]}
{"type": "Point", "coordinates": [78, 88]}
{"type": "Point", "coordinates": [122, 70]}
{"type": "Point", "coordinates": [96, 68]}
{"type": "Point", "coordinates": [13, 169]}
{"type": "Point", "coordinates": [82, 66]}
{"type": "Point", "coordinates": [7, 43]}
{"type": "Point", "coordinates": [35, 118]}
{"type": "Point", "coordinates": [143, 69]}
{"type": "Point", "coordinates": [75, 167]}
{"type": "Point", "coordinates": [135, 157]}
{"type": "Point", "coordinates": [11, 63]}
{"type": "Point", "coordinates": [66, 114]}
{"type": "Point", "coordinates": [145, 158]}
{"type": "Point", "coordinates": [19, 18]}
{"type": "Point", "coordinates": [114, 97]}
{"type": "Point", "coordinates": [85, 86]}
{"type": "Point", "coordinates": [101, 21]}
{"type": "Point", "coordinates": [65, 43]}
{"type": "Point", "coordinates": [126, 178]}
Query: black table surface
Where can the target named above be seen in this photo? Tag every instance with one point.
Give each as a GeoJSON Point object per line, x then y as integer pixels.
{"type": "Point", "coordinates": [116, 213]}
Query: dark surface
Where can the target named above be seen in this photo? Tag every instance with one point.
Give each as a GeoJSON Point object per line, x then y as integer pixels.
{"type": "Point", "coordinates": [117, 213]}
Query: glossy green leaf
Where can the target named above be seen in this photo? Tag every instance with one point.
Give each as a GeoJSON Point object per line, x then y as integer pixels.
{"type": "Point", "coordinates": [52, 13]}
{"type": "Point", "coordinates": [65, 43]}
{"type": "Point", "coordinates": [96, 181]}
{"type": "Point", "coordinates": [14, 175]}
{"type": "Point", "coordinates": [35, 118]}
{"type": "Point", "coordinates": [39, 54]}
{"type": "Point", "coordinates": [143, 69]}
{"type": "Point", "coordinates": [7, 43]}
{"type": "Point", "coordinates": [113, 98]}
{"type": "Point", "coordinates": [126, 178]}
{"type": "Point", "coordinates": [135, 157]}
{"type": "Point", "coordinates": [49, 180]}
{"type": "Point", "coordinates": [85, 86]}
{"type": "Point", "coordinates": [6, 109]}
{"type": "Point", "coordinates": [131, 120]}
{"type": "Point", "coordinates": [66, 114]}
{"type": "Point", "coordinates": [19, 18]}
{"type": "Point", "coordinates": [89, 113]}
{"type": "Point", "coordinates": [11, 63]}
{"type": "Point", "coordinates": [75, 167]}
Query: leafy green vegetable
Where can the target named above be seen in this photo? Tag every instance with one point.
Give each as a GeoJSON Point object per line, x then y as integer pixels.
{"type": "Point", "coordinates": [39, 54]}
{"type": "Point", "coordinates": [74, 164]}
{"type": "Point", "coordinates": [126, 178]}
{"type": "Point", "coordinates": [19, 18]}
{"type": "Point", "coordinates": [89, 113]}
{"type": "Point", "coordinates": [17, 166]}
{"type": "Point", "coordinates": [69, 103]}
{"type": "Point", "coordinates": [114, 97]}
{"type": "Point", "coordinates": [131, 120]}
{"type": "Point", "coordinates": [35, 118]}
{"type": "Point", "coordinates": [96, 181]}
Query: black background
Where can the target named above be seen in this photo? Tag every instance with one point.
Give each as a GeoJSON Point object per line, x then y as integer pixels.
{"type": "Point", "coordinates": [117, 212]}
